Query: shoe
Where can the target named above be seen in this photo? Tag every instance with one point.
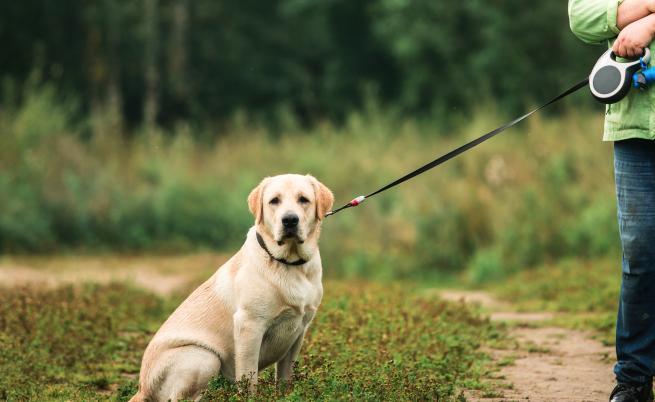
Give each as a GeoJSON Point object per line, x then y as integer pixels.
{"type": "Point", "coordinates": [632, 393]}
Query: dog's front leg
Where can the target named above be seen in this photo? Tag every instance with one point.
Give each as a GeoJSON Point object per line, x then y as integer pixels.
{"type": "Point", "coordinates": [284, 368]}
{"type": "Point", "coordinates": [248, 334]}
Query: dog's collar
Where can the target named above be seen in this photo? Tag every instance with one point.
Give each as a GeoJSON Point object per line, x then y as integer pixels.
{"type": "Point", "coordinates": [260, 240]}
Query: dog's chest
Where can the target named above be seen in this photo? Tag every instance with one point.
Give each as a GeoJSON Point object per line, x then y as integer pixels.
{"type": "Point", "coordinates": [302, 300]}
{"type": "Point", "coordinates": [298, 291]}
{"type": "Point", "coordinates": [280, 336]}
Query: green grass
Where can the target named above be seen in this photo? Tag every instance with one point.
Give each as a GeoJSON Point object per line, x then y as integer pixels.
{"type": "Point", "coordinates": [72, 342]}
{"type": "Point", "coordinates": [585, 292]}
{"type": "Point", "coordinates": [368, 342]}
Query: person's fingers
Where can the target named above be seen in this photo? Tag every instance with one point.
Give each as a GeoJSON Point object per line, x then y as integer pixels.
{"type": "Point", "coordinates": [615, 47]}
{"type": "Point", "coordinates": [617, 43]}
{"type": "Point", "coordinates": [630, 51]}
{"type": "Point", "coordinates": [622, 47]}
{"type": "Point", "coordinates": [621, 52]}
{"type": "Point", "coordinates": [627, 48]}
{"type": "Point", "coordinates": [635, 50]}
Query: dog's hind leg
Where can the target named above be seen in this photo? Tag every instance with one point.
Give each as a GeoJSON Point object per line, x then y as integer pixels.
{"type": "Point", "coordinates": [187, 371]}
{"type": "Point", "coordinates": [138, 397]}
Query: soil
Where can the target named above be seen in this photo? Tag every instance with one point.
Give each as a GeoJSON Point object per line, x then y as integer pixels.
{"type": "Point", "coordinates": [162, 275]}
{"type": "Point", "coordinates": [549, 363]}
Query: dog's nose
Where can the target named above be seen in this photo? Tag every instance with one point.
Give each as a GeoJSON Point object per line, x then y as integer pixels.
{"type": "Point", "coordinates": [290, 221]}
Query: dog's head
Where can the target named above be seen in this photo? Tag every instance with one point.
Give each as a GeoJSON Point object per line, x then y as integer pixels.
{"type": "Point", "coordinates": [290, 207]}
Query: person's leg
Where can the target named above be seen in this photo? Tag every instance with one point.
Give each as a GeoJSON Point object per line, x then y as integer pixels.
{"type": "Point", "coordinates": [634, 166]}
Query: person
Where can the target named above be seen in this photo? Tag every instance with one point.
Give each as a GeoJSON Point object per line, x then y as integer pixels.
{"type": "Point", "coordinates": [629, 27]}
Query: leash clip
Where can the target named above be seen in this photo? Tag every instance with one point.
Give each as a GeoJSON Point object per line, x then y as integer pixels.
{"type": "Point", "coordinates": [355, 202]}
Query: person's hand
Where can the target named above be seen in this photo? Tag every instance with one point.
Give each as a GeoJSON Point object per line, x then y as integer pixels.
{"type": "Point", "coordinates": [635, 37]}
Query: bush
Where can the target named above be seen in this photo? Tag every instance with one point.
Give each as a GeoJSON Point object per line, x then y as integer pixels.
{"type": "Point", "coordinates": [486, 266]}
{"type": "Point", "coordinates": [532, 195]}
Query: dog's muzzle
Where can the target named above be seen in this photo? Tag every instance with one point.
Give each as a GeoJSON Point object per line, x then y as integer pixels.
{"type": "Point", "coordinates": [290, 225]}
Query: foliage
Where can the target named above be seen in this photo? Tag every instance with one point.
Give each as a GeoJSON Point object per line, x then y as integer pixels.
{"type": "Point", "coordinates": [586, 290]}
{"type": "Point", "coordinates": [204, 61]}
{"type": "Point", "coordinates": [369, 342]}
{"type": "Point", "coordinates": [538, 193]}
{"type": "Point", "coordinates": [571, 285]}
{"type": "Point", "coordinates": [141, 126]}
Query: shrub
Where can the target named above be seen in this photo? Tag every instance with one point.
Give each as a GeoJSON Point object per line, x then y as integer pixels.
{"type": "Point", "coordinates": [532, 198]}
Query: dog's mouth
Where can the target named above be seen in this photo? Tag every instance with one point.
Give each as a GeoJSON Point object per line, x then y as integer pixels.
{"type": "Point", "coordinates": [290, 234]}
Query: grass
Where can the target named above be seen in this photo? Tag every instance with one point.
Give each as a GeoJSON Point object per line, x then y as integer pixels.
{"type": "Point", "coordinates": [72, 342]}
{"type": "Point", "coordinates": [368, 342]}
{"type": "Point", "coordinates": [585, 292]}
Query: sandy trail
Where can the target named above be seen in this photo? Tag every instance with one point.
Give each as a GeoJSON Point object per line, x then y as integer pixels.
{"type": "Point", "coordinates": [550, 364]}
{"type": "Point", "coordinates": [162, 275]}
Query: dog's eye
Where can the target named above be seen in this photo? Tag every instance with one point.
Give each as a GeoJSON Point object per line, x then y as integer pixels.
{"type": "Point", "coordinates": [303, 200]}
{"type": "Point", "coordinates": [274, 201]}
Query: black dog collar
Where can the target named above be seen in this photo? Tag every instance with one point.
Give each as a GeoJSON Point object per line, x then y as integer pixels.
{"type": "Point", "coordinates": [260, 240]}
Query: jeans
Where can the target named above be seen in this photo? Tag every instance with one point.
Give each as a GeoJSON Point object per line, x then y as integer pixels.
{"type": "Point", "coordinates": [634, 169]}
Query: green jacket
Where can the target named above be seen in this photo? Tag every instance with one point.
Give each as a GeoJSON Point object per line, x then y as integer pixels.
{"type": "Point", "coordinates": [594, 21]}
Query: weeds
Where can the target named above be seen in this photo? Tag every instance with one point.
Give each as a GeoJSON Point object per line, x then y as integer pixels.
{"type": "Point", "coordinates": [587, 290]}
{"type": "Point", "coordinates": [52, 339]}
{"type": "Point", "coordinates": [368, 342]}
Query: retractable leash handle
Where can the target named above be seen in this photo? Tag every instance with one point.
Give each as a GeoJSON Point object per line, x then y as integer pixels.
{"type": "Point", "coordinates": [611, 80]}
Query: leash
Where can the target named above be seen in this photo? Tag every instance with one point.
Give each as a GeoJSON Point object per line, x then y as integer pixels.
{"type": "Point", "coordinates": [460, 150]}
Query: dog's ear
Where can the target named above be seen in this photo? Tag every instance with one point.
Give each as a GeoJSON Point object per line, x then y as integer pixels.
{"type": "Point", "coordinates": [255, 201]}
{"type": "Point", "coordinates": [324, 198]}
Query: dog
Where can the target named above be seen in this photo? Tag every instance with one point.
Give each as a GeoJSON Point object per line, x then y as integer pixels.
{"type": "Point", "coordinates": [255, 310]}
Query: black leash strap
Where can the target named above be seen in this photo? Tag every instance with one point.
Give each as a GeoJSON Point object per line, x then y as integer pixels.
{"type": "Point", "coordinates": [460, 150]}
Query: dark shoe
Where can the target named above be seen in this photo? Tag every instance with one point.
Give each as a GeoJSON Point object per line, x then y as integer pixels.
{"type": "Point", "coordinates": [632, 393]}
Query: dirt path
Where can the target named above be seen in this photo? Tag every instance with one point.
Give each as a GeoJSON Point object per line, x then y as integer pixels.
{"type": "Point", "coordinates": [162, 275]}
{"type": "Point", "coordinates": [549, 364]}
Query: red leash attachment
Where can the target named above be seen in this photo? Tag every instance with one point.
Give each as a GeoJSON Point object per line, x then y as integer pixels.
{"type": "Point", "coordinates": [355, 202]}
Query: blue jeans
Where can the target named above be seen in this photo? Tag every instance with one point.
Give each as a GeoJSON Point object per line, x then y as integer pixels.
{"type": "Point", "coordinates": [634, 169]}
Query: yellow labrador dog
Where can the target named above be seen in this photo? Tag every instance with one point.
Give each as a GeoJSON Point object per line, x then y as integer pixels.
{"type": "Point", "coordinates": [254, 311]}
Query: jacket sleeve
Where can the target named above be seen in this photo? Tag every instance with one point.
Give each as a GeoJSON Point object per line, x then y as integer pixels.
{"type": "Point", "coordinates": [594, 21]}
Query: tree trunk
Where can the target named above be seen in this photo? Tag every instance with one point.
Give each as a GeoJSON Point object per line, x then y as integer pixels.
{"type": "Point", "coordinates": [151, 106]}
{"type": "Point", "coordinates": [178, 53]}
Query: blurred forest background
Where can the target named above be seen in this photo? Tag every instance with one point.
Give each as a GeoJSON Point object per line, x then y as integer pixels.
{"type": "Point", "coordinates": [141, 126]}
